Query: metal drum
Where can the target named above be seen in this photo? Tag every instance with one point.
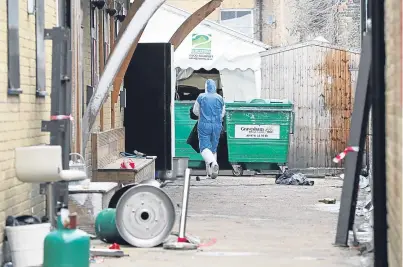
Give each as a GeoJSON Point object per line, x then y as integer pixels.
{"type": "Point", "coordinates": [180, 165]}
{"type": "Point", "coordinates": [145, 216]}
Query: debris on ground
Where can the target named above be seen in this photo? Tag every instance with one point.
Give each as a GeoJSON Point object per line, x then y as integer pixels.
{"type": "Point", "coordinates": [96, 259]}
{"type": "Point", "coordinates": [363, 222]}
{"type": "Point", "coordinates": [107, 252]}
{"type": "Point", "coordinates": [364, 181]}
{"type": "Point", "coordinates": [114, 246]}
{"type": "Point", "coordinates": [290, 178]}
{"type": "Point", "coordinates": [328, 200]}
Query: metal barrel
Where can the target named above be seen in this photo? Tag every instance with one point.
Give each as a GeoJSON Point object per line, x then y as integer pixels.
{"type": "Point", "coordinates": [145, 216]}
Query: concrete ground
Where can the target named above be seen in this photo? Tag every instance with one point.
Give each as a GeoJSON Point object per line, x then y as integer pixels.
{"type": "Point", "coordinates": [251, 221]}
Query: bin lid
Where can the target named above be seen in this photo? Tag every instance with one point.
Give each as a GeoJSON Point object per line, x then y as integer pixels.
{"type": "Point", "coordinates": [266, 103]}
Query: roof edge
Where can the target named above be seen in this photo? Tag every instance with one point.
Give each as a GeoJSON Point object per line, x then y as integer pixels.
{"type": "Point", "coordinates": [216, 26]}
{"type": "Point", "coordinates": [308, 43]}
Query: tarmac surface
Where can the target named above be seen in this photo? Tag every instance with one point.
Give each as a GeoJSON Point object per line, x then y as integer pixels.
{"type": "Point", "coordinates": [251, 221]}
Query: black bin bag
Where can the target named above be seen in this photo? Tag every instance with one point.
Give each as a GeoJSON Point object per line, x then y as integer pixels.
{"type": "Point", "coordinates": [193, 139]}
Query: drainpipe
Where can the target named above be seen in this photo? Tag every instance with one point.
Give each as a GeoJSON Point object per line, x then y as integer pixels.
{"type": "Point", "coordinates": [260, 19]}
{"type": "Point", "coordinates": [379, 194]}
{"type": "Point", "coordinates": [76, 22]}
{"type": "Point", "coordinates": [364, 17]}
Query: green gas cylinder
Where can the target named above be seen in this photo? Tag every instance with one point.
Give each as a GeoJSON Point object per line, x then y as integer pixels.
{"type": "Point", "coordinates": [105, 227]}
{"type": "Point", "coordinates": [67, 247]}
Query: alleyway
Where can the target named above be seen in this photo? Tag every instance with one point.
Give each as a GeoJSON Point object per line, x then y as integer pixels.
{"type": "Point", "coordinates": [254, 223]}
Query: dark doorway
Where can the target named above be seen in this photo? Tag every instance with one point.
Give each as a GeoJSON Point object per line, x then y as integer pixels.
{"type": "Point", "coordinates": [147, 116]}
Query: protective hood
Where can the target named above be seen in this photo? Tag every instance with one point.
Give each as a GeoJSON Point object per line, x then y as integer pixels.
{"type": "Point", "coordinates": [210, 86]}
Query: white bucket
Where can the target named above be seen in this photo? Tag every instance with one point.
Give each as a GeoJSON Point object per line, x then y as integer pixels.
{"type": "Point", "coordinates": [26, 243]}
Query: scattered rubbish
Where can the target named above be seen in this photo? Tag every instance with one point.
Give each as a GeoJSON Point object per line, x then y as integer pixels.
{"type": "Point", "coordinates": [356, 243]}
{"type": "Point", "coordinates": [328, 200]}
{"type": "Point", "coordinates": [365, 228]}
{"type": "Point", "coordinates": [127, 164]}
{"type": "Point", "coordinates": [362, 211]}
{"type": "Point", "coordinates": [114, 246]}
{"type": "Point", "coordinates": [97, 259]}
{"type": "Point", "coordinates": [139, 154]}
{"type": "Point", "coordinates": [92, 237]}
{"type": "Point", "coordinates": [8, 264]}
{"type": "Point", "coordinates": [107, 252]}
{"type": "Point", "coordinates": [364, 172]}
{"type": "Point", "coordinates": [289, 178]}
{"type": "Point", "coordinates": [198, 178]}
{"type": "Point", "coordinates": [364, 182]}
{"type": "Point", "coordinates": [366, 247]}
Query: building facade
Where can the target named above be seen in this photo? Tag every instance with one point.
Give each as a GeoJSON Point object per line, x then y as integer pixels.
{"type": "Point", "coordinates": [21, 114]}
{"type": "Point", "coordinates": [93, 32]}
{"type": "Point", "coordinates": [285, 22]}
{"type": "Point", "coordinates": [239, 15]}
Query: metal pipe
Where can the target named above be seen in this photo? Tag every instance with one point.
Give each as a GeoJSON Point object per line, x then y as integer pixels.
{"type": "Point", "coordinates": [185, 198]}
{"type": "Point", "coordinates": [363, 17]}
{"type": "Point", "coordinates": [50, 200]}
{"type": "Point", "coordinates": [260, 27]}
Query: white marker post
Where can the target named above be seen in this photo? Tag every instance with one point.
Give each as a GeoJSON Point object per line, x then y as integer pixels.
{"type": "Point", "coordinates": [182, 243]}
{"type": "Point", "coordinates": [184, 212]}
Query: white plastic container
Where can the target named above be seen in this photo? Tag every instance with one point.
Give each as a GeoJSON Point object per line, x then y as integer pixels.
{"type": "Point", "coordinates": [26, 243]}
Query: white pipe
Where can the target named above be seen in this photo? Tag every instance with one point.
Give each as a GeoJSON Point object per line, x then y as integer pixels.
{"type": "Point", "coordinates": [185, 202]}
{"type": "Point", "coordinates": [122, 47]}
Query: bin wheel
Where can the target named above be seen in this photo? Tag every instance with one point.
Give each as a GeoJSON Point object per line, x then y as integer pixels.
{"type": "Point", "coordinates": [237, 171]}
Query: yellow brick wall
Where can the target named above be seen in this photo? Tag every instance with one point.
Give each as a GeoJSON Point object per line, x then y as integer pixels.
{"type": "Point", "coordinates": [20, 116]}
{"type": "Point", "coordinates": [394, 130]}
{"type": "Point", "coordinates": [107, 121]}
{"type": "Point", "coordinates": [86, 24]}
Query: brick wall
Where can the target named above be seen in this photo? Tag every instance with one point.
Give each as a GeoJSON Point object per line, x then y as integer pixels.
{"type": "Point", "coordinates": [348, 32]}
{"type": "Point", "coordinates": [344, 31]}
{"type": "Point", "coordinates": [20, 116]}
{"type": "Point", "coordinates": [87, 43]}
{"type": "Point", "coordinates": [394, 129]}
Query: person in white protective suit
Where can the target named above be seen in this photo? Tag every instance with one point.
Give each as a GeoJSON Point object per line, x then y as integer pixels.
{"type": "Point", "coordinates": [210, 109]}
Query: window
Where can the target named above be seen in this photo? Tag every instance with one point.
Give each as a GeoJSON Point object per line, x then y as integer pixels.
{"type": "Point", "coordinates": [94, 47]}
{"type": "Point", "coordinates": [240, 20]}
{"type": "Point", "coordinates": [106, 36]}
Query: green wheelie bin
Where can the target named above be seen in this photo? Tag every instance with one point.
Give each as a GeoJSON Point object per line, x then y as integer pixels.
{"type": "Point", "coordinates": [183, 126]}
{"type": "Point", "coordinates": [258, 134]}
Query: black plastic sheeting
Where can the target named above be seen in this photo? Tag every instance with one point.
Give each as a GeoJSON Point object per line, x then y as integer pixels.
{"type": "Point", "coordinates": [289, 178]}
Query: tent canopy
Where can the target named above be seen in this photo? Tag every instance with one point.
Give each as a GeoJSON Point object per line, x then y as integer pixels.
{"type": "Point", "coordinates": [211, 45]}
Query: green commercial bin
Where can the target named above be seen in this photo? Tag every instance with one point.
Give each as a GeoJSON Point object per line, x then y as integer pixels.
{"type": "Point", "coordinates": [258, 134]}
{"type": "Point", "coordinates": [183, 126]}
